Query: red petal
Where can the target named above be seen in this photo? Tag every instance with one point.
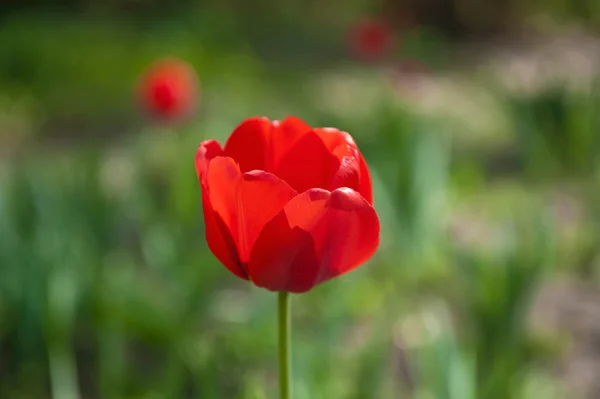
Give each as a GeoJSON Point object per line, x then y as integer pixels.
{"type": "Point", "coordinates": [248, 145]}
{"type": "Point", "coordinates": [285, 134]}
{"type": "Point", "coordinates": [219, 239]}
{"type": "Point", "coordinates": [348, 173]}
{"type": "Point", "coordinates": [206, 151]}
{"type": "Point", "coordinates": [333, 139]}
{"type": "Point", "coordinates": [318, 236]}
{"type": "Point", "coordinates": [308, 164]}
{"type": "Point", "coordinates": [258, 143]}
{"type": "Point", "coordinates": [365, 186]}
{"type": "Point", "coordinates": [245, 202]}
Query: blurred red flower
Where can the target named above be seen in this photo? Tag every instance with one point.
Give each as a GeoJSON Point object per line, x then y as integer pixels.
{"type": "Point", "coordinates": [169, 89]}
{"type": "Point", "coordinates": [287, 206]}
{"type": "Point", "coordinates": [371, 38]}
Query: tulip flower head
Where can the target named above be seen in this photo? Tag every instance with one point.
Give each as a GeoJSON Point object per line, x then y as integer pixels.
{"type": "Point", "coordinates": [287, 206]}
{"type": "Point", "coordinates": [371, 39]}
{"type": "Point", "coordinates": [168, 90]}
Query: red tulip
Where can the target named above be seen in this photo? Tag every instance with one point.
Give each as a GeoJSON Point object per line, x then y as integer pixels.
{"type": "Point", "coordinates": [169, 89]}
{"type": "Point", "coordinates": [371, 38]}
{"type": "Point", "coordinates": [287, 206]}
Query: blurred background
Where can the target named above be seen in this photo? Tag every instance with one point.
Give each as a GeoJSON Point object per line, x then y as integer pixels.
{"type": "Point", "coordinates": [480, 120]}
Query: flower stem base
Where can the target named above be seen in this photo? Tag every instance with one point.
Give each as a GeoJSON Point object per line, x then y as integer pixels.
{"type": "Point", "coordinates": [284, 328]}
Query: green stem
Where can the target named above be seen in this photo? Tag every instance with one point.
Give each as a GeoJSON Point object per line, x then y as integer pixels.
{"type": "Point", "coordinates": [285, 381]}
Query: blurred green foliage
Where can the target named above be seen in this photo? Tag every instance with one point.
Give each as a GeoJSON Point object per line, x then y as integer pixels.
{"type": "Point", "coordinates": [558, 130]}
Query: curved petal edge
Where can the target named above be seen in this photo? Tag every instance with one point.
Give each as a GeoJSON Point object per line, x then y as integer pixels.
{"type": "Point", "coordinates": [317, 236]}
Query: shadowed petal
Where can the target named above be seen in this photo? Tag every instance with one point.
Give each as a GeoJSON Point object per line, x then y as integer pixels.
{"type": "Point", "coordinates": [258, 143]}
{"type": "Point", "coordinates": [333, 139]}
{"type": "Point", "coordinates": [219, 239]}
{"type": "Point", "coordinates": [285, 134]}
{"type": "Point", "coordinates": [248, 144]}
{"type": "Point", "coordinates": [317, 236]}
{"type": "Point", "coordinates": [206, 151]}
{"type": "Point", "coordinates": [245, 202]}
{"type": "Point", "coordinates": [348, 173]}
{"type": "Point", "coordinates": [308, 164]}
{"type": "Point", "coordinates": [365, 185]}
